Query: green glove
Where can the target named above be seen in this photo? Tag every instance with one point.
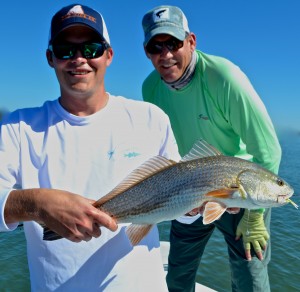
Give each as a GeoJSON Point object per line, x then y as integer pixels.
{"type": "Point", "coordinates": [253, 230]}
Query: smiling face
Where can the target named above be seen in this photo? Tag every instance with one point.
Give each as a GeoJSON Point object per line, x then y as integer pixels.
{"type": "Point", "coordinates": [81, 80]}
{"type": "Point", "coordinates": [172, 64]}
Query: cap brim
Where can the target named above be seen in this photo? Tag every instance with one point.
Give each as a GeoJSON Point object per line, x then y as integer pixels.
{"type": "Point", "coordinates": [74, 24]}
{"type": "Point", "coordinates": [180, 34]}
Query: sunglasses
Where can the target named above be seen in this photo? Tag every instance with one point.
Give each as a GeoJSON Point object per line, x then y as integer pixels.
{"type": "Point", "coordinates": [87, 50]}
{"type": "Point", "coordinates": [156, 47]}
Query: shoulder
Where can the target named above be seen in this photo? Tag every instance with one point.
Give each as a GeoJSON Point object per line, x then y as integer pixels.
{"type": "Point", "coordinates": [151, 83]}
{"type": "Point", "coordinates": [28, 115]}
{"type": "Point", "coordinates": [220, 73]}
{"type": "Point", "coordinates": [217, 66]}
{"type": "Point", "coordinates": [137, 107]}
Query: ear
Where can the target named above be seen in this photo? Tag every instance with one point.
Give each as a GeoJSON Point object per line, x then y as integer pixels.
{"type": "Point", "coordinates": [49, 58]}
{"type": "Point", "coordinates": [192, 41]}
{"type": "Point", "coordinates": [109, 56]}
{"type": "Point", "coordinates": [147, 54]}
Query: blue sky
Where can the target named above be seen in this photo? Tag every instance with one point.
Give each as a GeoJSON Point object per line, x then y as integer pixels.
{"type": "Point", "coordinates": [261, 36]}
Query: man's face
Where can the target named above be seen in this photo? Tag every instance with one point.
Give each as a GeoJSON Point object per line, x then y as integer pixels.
{"type": "Point", "coordinates": [79, 76]}
{"type": "Point", "coordinates": [171, 64]}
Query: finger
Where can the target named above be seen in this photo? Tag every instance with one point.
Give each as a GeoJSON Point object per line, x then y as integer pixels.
{"type": "Point", "coordinates": [103, 219]}
{"type": "Point", "coordinates": [201, 209]}
{"type": "Point", "coordinates": [263, 243]}
{"type": "Point", "coordinates": [238, 234]}
{"type": "Point", "coordinates": [96, 230]}
{"type": "Point", "coordinates": [248, 254]}
{"type": "Point", "coordinates": [74, 238]}
{"type": "Point", "coordinates": [233, 210]}
{"type": "Point", "coordinates": [257, 248]}
{"type": "Point", "coordinates": [87, 237]}
{"type": "Point", "coordinates": [194, 212]}
{"type": "Point", "coordinates": [259, 255]}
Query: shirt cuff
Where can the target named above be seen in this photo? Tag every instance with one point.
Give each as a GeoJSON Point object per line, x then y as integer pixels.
{"type": "Point", "coordinates": [188, 219]}
{"type": "Point", "coordinates": [3, 226]}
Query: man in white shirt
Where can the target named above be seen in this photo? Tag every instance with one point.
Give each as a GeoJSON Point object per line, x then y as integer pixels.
{"type": "Point", "coordinates": [57, 159]}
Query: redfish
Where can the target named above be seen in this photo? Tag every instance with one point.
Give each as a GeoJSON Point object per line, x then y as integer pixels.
{"type": "Point", "coordinates": [161, 190]}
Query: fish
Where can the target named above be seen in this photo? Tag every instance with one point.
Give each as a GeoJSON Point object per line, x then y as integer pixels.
{"type": "Point", "coordinates": [162, 190]}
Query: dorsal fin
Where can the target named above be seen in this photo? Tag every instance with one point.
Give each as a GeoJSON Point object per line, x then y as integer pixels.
{"type": "Point", "coordinates": [145, 170]}
{"type": "Point", "coordinates": [201, 149]}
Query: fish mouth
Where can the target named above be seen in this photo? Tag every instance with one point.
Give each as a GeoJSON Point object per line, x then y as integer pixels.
{"type": "Point", "coordinates": [283, 199]}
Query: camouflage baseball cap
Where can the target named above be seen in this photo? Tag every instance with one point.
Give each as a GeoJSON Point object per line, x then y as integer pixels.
{"type": "Point", "coordinates": [165, 20]}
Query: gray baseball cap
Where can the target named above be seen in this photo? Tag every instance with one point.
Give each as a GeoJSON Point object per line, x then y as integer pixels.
{"type": "Point", "coordinates": [165, 20]}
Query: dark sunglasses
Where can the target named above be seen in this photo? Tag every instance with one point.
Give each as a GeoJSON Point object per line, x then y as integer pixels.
{"type": "Point", "coordinates": [156, 47]}
{"type": "Point", "coordinates": [87, 50]}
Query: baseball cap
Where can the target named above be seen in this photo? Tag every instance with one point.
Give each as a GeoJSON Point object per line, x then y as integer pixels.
{"type": "Point", "coordinates": [78, 14]}
{"type": "Point", "coordinates": [165, 19]}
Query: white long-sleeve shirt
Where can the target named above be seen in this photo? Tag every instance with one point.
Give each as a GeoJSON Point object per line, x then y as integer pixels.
{"type": "Point", "coordinates": [47, 147]}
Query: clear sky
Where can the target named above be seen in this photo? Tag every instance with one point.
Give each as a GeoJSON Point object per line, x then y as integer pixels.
{"type": "Point", "coordinates": [261, 36]}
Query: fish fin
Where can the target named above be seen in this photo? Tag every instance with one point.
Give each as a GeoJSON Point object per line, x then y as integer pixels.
{"type": "Point", "coordinates": [222, 193]}
{"type": "Point", "coordinates": [212, 212]}
{"type": "Point", "coordinates": [201, 149]}
{"type": "Point", "coordinates": [136, 232]}
{"type": "Point", "coordinates": [50, 235]}
{"type": "Point", "coordinates": [147, 169]}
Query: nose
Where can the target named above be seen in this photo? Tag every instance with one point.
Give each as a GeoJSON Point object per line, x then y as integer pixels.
{"type": "Point", "coordinates": [78, 54]}
{"type": "Point", "coordinates": [78, 57]}
{"type": "Point", "coordinates": [165, 51]}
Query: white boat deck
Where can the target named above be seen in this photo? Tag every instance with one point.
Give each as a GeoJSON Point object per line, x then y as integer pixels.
{"type": "Point", "coordinates": [164, 247]}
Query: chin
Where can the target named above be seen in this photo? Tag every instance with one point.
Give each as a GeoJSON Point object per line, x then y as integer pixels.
{"type": "Point", "coordinates": [169, 78]}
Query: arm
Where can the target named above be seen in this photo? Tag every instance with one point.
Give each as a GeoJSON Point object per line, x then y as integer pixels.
{"type": "Point", "coordinates": [68, 214]}
{"type": "Point", "coordinates": [250, 120]}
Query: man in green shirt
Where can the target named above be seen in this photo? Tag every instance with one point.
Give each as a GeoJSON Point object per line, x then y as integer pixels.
{"type": "Point", "coordinates": [209, 97]}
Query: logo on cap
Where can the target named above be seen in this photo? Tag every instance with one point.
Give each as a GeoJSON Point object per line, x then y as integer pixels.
{"type": "Point", "coordinates": [77, 11]}
{"type": "Point", "coordinates": [161, 14]}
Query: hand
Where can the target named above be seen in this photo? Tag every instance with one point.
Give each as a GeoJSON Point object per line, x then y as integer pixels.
{"type": "Point", "coordinates": [69, 215]}
{"type": "Point", "coordinates": [200, 210]}
{"type": "Point", "coordinates": [73, 216]}
{"type": "Point", "coordinates": [253, 230]}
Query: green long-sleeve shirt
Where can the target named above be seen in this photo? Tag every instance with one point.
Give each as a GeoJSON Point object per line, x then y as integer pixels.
{"type": "Point", "coordinates": [221, 106]}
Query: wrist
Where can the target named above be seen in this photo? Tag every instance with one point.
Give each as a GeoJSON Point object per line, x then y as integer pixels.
{"type": "Point", "coordinates": [260, 211]}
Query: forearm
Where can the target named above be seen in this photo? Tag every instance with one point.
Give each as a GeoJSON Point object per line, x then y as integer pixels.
{"type": "Point", "coordinates": [22, 205]}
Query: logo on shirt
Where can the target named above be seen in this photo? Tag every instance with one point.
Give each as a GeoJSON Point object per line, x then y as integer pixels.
{"type": "Point", "coordinates": [110, 154]}
{"type": "Point", "coordinates": [203, 117]}
{"type": "Point", "coordinates": [131, 154]}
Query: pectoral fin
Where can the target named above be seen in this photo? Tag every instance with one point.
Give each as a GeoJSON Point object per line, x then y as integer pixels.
{"type": "Point", "coordinates": [212, 212]}
{"type": "Point", "coordinates": [223, 193]}
{"type": "Point", "coordinates": [136, 233]}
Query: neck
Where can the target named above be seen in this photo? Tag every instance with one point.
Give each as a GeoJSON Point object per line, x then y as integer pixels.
{"type": "Point", "coordinates": [84, 106]}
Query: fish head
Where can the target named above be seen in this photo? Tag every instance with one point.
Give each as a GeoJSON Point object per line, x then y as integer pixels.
{"type": "Point", "coordinates": [264, 188]}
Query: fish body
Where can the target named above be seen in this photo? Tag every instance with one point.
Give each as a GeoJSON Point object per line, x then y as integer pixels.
{"type": "Point", "coordinates": [161, 190]}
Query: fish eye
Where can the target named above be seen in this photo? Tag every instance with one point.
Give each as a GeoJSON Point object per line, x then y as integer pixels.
{"type": "Point", "coordinates": [280, 182]}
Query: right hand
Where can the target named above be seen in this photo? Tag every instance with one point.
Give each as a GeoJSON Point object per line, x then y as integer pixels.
{"type": "Point", "coordinates": [72, 216]}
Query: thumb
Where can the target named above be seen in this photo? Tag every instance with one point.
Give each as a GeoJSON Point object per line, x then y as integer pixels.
{"type": "Point", "coordinates": [238, 233]}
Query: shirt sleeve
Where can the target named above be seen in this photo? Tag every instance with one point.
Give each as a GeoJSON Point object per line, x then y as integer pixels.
{"type": "Point", "coordinates": [3, 226]}
{"type": "Point", "coordinates": [9, 161]}
{"type": "Point", "coordinates": [248, 116]}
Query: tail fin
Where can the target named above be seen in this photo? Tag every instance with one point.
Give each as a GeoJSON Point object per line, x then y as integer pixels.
{"type": "Point", "coordinates": [50, 235]}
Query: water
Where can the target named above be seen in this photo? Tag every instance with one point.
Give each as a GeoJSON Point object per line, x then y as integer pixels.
{"type": "Point", "coordinates": [284, 269]}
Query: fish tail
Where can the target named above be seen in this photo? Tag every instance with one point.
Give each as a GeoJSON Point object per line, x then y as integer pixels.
{"type": "Point", "coordinates": [50, 235]}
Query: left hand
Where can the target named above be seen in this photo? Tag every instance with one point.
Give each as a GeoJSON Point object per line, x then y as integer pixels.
{"type": "Point", "coordinates": [253, 230]}
{"type": "Point", "coordinates": [200, 210]}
